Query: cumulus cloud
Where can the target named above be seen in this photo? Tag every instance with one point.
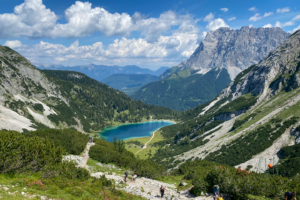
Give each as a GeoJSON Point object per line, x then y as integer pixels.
{"type": "Point", "coordinates": [232, 18]}
{"type": "Point", "coordinates": [255, 17]}
{"type": "Point", "coordinates": [180, 44]}
{"type": "Point", "coordinates": [224, 9]}
{"type": "Point", "coordinates": [215, 24]}
{"type": "Point", "coordinates": [252, 8]}
{"type": "Point", "coordinates": [267, 26]}
{"type": "Point", "coordinates": [251, 26]}
{"type": "Point", "coordinates": [283, 10]}
{"type": "Point", "coordinates": [13, 44]}
{"type": "Point", "coordinates": [32, 19]}
{"type": "Point", "coordinates": [268, 14]}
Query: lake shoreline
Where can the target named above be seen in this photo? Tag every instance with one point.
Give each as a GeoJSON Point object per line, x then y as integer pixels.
{"type": "Point", "coordinates": [115, 127]}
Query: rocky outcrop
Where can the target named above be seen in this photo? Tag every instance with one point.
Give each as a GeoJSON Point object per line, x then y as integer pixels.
{"type": "Point", "coordinates": [235, 50]}
{"type": "Point", "coordinates": [277, 71]}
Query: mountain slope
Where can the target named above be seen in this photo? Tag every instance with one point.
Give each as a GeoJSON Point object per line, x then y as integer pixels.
{"type": "Point", "coordinates": [100, 72]}
{"type": "Point", "coordinates": [183, 92]}
{"type": "Point", "coordinates": [249, 121]}
{"type": "Point", "coordinates": [32, 99]}
{"type": "Point", "coordinates": [128, 83]}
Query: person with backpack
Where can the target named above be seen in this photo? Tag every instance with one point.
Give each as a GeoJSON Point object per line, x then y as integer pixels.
{"type": "Point", "coordinates": [126, 175]}
{"type": "Point", "coordinates": [162, 191]}
{"type": "Point", "coordinates": [290, 196]}
{"type": "Point", "coordinates": [216, 191]}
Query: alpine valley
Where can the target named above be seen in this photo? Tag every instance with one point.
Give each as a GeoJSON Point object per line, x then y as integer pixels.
{"type": "Point", "coordinates": [252, 121]}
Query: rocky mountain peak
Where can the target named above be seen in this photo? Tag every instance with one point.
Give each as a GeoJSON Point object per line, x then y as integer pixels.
{"type": "Point", "coordinates": [235, 50]}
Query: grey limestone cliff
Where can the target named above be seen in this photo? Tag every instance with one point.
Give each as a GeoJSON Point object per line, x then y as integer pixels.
{"type": "Point", "coordinates": [235, 50]}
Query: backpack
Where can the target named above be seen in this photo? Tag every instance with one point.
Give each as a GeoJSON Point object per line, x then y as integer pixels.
{"type": "Point", "coordinates": [288, 194]}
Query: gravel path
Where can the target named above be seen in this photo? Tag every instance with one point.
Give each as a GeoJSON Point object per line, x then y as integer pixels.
{"type": "Point", "coordinates": [85, 156]}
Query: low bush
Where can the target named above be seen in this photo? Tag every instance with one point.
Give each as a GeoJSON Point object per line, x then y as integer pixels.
{"type": "Point", "coordinates": [19, 153]}
{"type": "Point", "coordinates": [106, 152]}
{"type": "Point", "coordinates": [238, 184]}
{"type": "Point", "coordinates": [71, 141]}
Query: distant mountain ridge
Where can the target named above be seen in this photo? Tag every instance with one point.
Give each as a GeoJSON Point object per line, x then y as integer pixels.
{"type": "Point", "coordinates": [100, 72]}
{"type": "Point", "coordinates": [128, 83]}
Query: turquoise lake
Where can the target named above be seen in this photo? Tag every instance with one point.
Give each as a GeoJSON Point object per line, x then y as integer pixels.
{"type": "Point", "coordinates": [128, 131]}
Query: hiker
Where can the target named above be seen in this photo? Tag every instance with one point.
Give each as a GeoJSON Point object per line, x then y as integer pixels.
{"type": "Point", "coordinates": [134, 176]}
{"type": "Point", "coordinates": [290, 196]}
{"type": "Point", "coordinates": [221, 197]}
{"type": "Point", "coordinates": [126, 175]}
{"type": "Point", "coordinates": [216, 191]}
{"type": "Point", "coordinates": [90, 138]}
{"type": "Point", "coordinates": [162, 191]}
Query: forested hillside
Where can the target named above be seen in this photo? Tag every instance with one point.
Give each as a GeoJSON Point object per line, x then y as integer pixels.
{"type": "Point", "coordinates": [184, 91]}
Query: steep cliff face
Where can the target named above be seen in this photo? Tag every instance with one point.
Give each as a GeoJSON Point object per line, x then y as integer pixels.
{"type": "Point", "coordinates": [235, 50]}
{"type": "Point", "coordinates": [250, 121]}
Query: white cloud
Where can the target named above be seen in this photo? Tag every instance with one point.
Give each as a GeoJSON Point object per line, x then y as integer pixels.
{"type": "Point", "coordinates": [251, 26]}
{"type": "Point", "coordinates": [283, 10]}
{"type": "Point", "coordinates": [32, 19]}
{"type": "Point", "coordinates": [296, 18]}
{"type": "Point", "coordinates": [289, 23]}
{"type": "Point", "coordinates": [255, 17]}
{"type": "Point", "coordinates": [181, 44]}
{"type": "Point", "coordinates": [232, 18]}
{"type": "Point", "coordinates": [13, 44]}
{"type": "Point", "coordinates": [215, 24]}
{"type": "Point", "coordinates": [295, 29]}
{"type": "Point", "coordinates": [267, 26]}
{"type": "Point", "coordinates": [268, 14]}
{"type": "Point", "coordinates": [209, 17]}
{"type": "Point", "coordinates": [224, 9]}
{"type": "Point", "coordinates": [252, 8]}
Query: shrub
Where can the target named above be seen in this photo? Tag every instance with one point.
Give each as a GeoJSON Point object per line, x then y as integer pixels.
{"type": "Point", "coordinates": [71, 141]}
{"type": "Point", "coordinates": [107, 152]}
{"type": "Point", "coordinates": [19, 153]}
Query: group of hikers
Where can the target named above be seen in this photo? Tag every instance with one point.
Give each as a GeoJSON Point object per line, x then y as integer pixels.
{"type": "Point", "coordinates": [216, 190]}
{"type": "Point", "coordinates": [91, 139]}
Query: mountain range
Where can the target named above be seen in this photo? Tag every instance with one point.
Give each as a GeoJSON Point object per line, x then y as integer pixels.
{"type": "Point", "coordinates": [253, 121]}
{"type": "Point", "coordinates": [227, 49]}
{"type": "Point", "coordinates": [128, 83]}
{"type": "Point", "coordinates": [100, 72]}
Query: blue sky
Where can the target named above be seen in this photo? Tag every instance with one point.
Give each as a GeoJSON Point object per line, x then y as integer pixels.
{"type": "Point", "coordinates": [145, 33]}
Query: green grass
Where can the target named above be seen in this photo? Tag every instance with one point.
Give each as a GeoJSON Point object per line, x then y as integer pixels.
{"type": "Point", "coordinates": [57, 189]}
{"type": "Point", "coordinates": [144, 153]}
{"type": "Point", "coordinates": [93, 167]}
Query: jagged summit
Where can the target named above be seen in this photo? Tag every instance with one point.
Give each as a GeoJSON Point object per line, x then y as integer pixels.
{"type": "Point", "coordinates": [235, 50]}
